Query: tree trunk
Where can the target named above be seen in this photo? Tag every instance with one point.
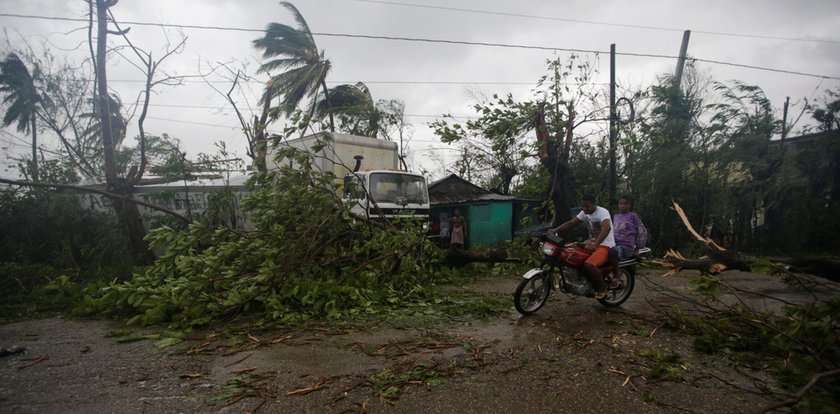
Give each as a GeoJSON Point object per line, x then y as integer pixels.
{"type": "Point", "coordinates": [135, 178]}
{"type": "Point", "coordinates": [329, 105]}
{"type": "Point", "coordinates": [132, 223]}
{"type": "Point", "coordinates": [554, 157]}
{"type": "Point", "coordinates": [260, 144]}
{"type": "Point", "coordinates": [102, 93]}
{"type": "Point", "coordinates": [34, 150]}
{"type": "Point", "coordinates": [128, 213]}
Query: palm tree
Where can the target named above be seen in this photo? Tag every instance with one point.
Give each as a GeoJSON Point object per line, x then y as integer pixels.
{"type": "Point", "coordinates": [22, 99]}
{"type": "Point", "coordinates": [357, 113]}
{"type": "Point", "coordinates": [90, 134]}
{"type": "Point", "coordinates": [293, 50]}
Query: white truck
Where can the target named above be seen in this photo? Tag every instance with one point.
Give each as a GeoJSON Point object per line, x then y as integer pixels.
{"type": "Point", "coordinates": [367, 173]}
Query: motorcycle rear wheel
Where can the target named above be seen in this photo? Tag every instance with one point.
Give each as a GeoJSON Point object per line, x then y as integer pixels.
{"type": "Point", "coordinates": [620, 294]}
{"type": "Point", "coordinates": [531, 294]}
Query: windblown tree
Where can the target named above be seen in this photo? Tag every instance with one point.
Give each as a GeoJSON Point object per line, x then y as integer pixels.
{"type": "Point", "coordinates": [98, 128]}
{"type": "Point", "coordinates": [565, 100]}
{"type": "Point", "coordinates": [809, 182]}
{"type": "Point", "coordinates": [494, 146]}
{"type": "Point", "coordinates": [663, 154]}
{"type": "Point", "coordinates": [91, 133]}
{"type": "Point", "coordinates": [254, 124]}
{"type": "Point", "coordinates": [22, 100]}
{"type": "Point", "coordinates": [357, 113]}
{"type": "Point", "coordinates": [568, 99]}
{"type": "Point", "coordinates": [354, 107]}
{"type": "Point", "coordinates": [293, 50]}
{"type": "Point", "coordinates": [747, 167]}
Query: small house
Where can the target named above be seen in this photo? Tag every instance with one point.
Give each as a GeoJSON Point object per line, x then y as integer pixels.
{"type": "Point", "coordinates": [490, 217]}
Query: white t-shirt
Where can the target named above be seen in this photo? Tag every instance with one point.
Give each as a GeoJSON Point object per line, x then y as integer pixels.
{"type": "Point", "coordinates": [593, 222]}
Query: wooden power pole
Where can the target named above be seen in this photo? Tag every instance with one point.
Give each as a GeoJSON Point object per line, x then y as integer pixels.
{"type": "Point", "coordinates": [681, 61]}
{"type": "Point", "coordinates": [613, 131]}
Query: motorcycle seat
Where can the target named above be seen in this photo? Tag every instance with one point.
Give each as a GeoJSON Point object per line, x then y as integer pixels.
{"type": "Point", "coordinates": [633, 260]}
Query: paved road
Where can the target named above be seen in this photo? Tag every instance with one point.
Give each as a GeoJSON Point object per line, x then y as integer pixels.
{"type": "Point", "coordinates": [572, 356]}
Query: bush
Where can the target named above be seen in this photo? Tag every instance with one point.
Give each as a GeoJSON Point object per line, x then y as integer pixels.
{"type": "Point", "coordinates": [47, 235]}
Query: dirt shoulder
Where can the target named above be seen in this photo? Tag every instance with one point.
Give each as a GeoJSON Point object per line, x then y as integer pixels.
{"type": "Point", "coordinates": [572, 356]}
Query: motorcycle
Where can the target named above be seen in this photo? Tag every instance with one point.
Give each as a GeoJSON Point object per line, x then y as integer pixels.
{"type": "Point", "coordinates": [562, 269]}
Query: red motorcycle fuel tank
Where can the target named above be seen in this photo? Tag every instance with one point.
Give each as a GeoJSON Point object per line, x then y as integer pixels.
{"type": "Point", "coordinates": [575, 255]}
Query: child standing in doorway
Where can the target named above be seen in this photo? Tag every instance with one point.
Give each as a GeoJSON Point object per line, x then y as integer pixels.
{"type": "Point", "coordinates": [459, 232]}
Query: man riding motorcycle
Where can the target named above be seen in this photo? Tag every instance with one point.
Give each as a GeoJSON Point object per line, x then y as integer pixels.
{"type": "Point", "coordinates": [599, 224]}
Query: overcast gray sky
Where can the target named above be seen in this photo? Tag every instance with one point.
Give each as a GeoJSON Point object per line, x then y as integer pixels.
{"type": "Point", "coordinates": [436, 78]}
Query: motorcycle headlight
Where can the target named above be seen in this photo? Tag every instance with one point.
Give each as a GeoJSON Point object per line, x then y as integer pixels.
{"type": "Point", "coordinates": [548, 249]}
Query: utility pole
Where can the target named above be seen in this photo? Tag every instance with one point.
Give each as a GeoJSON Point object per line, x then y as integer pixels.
{"type": "Point", "coordinates": [102, 93]}
{"type": "Point", "coordinates": [612, 126]}
{"type": "Point", "coordinates": [784, 128]}
{"type": "Point", "coordinates": [782, 144]}
{"type": "Point", "coordinates": [681, 61]}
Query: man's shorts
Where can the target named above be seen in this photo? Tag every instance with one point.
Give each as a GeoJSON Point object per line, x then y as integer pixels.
{"type": "Point", "coordinates": [599, 256]}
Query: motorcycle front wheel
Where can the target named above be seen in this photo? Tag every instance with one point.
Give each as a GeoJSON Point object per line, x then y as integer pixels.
{"type": "Point", "coordinates": [531, 294]}
{"type": "Point", "coordinates": [620, 294]}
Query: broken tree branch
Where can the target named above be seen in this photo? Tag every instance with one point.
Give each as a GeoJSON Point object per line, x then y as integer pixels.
{"type": "Point", "coordinates": [720, 259]}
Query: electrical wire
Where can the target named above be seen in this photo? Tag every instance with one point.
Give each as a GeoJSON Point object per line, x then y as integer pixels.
{"type": "Point", "coordinates": [631, 26]}
{"type": "Point", "coordinates": [396, 82]}
{"type": "Point", "coordinates": [194, 123]}
{"type": "Point", "coordinates": [441, 41]}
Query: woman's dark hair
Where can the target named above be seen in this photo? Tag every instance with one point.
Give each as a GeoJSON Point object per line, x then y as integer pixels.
{"type": "Point", "coordinates": [628, 198]}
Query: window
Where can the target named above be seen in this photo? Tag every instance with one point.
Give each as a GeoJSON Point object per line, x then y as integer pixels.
{"type": "Point", "coordinates": [392, 188]}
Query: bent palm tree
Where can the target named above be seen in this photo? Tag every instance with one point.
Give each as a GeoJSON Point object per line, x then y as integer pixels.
{"type": "Point", "coordinates": [357, 113]}
{"type": "Point", "coordinates": [23, 99]}
{"type": "Point", "coordinates": [293, 50]}
{"type": "Point", "coordinates": [90, 136]}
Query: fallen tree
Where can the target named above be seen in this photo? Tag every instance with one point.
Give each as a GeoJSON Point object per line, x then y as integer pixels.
{"type": "Point", "coordinates": [307, 256]}
{"type": "Point", "coordinates": [719, 258]}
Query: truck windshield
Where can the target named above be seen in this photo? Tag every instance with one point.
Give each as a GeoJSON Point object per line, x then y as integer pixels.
{"type": "Point", "coordinates": [398, 188]}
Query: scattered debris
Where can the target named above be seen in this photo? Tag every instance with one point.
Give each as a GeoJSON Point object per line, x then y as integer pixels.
{"type": "Point", "coordinates": [315, 387]}
{"type": "Point", "coordinates": [11, 351]}
{"type": "Point", "coordinates": [33, 361]}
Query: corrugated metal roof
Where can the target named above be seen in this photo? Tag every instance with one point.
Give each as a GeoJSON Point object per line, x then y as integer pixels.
{"type": "Point", "coordinates": [454, 189]}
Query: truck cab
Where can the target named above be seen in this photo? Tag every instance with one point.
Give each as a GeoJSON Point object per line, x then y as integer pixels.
{"type": "Point", "coordinates": [373, 185]}
{"type": "Point", "coordinates": [386, 194]}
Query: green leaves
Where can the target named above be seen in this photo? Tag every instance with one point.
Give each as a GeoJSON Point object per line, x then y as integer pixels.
{"type": "Point", "coordinates": [306, 258]}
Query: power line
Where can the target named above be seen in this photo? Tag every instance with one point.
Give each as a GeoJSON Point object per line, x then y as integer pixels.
{"type": "Point", "coordinates": [396, 82]}
{"type": "Point", "coordinates": [226, 107]}
{"type": "Point", "coordinates": [194, 123]}
{"type": "Point", "coordinates": [561, 19]}
{"type": "Point", "coordinates": [239, 127]}
{"type": "Point", "coordinates": [443, 41]}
